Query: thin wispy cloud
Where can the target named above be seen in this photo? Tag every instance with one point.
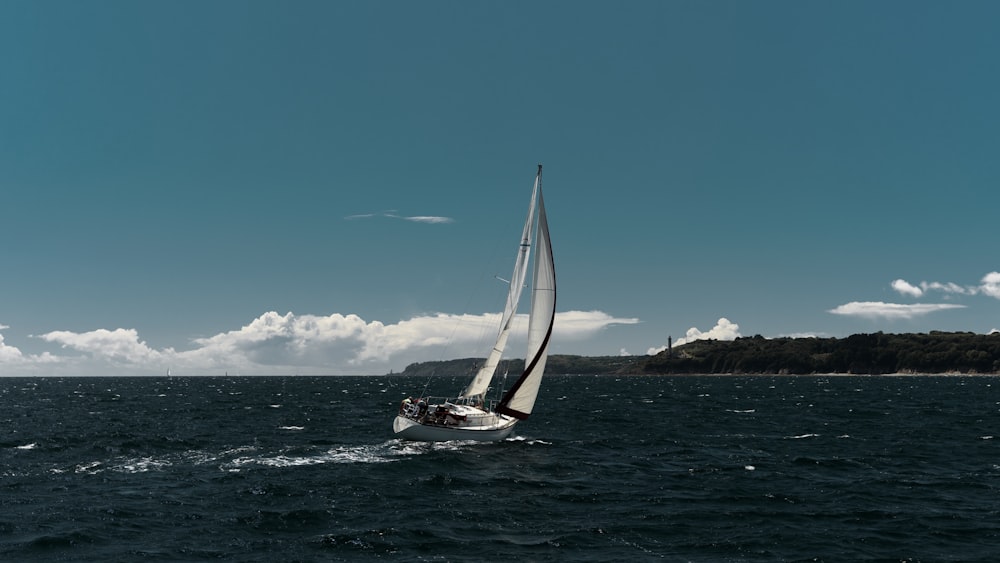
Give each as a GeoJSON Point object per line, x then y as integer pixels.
{"type": "Point", "coordinates": [880, 310]}
{"type": "Point", "coordinates": [989, 285]}
{"type": "Point", "coordinates": [432, 219]}
{"type": "Point", "coordinates": [429, 219]}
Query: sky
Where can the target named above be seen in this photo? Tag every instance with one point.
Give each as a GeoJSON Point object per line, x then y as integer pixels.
{"type": "Point", "coordinates": [316, 187]}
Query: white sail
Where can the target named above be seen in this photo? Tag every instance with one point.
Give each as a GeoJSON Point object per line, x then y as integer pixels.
{"type": "Point", "coordinates": [481, 382]}
{"type": "Point", "coordinates": [520, 399]}
{"type": "Point", "coordinates": [470, 417]}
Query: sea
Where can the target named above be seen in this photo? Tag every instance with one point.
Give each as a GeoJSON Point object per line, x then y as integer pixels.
{"type": "Point", "coordinates": [608, 468]}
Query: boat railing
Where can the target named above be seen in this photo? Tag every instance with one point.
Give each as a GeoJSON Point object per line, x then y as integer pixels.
{"type": "Point", "coordinates": [431, 409]}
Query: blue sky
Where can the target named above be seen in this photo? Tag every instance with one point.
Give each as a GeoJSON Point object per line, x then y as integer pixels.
{"type": "Point", "coordinates": [252, 187]}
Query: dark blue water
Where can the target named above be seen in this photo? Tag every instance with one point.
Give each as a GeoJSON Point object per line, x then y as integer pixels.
{"type": "Point", "coordinates": [607, 469]}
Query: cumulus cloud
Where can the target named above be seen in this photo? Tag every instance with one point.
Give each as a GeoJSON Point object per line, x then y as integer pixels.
{"type": "Point", "coordinates": [274, 339]}
{"type": "Point", "coordinates": [12, 356]}
{"type": "Point", "coordinates": [724, 329]}
{"type": "Point", "coordinates": [902, 286]}
{"type": "Point", "coordinates": [892, 311]}
{"type": "Point", "coordinates": [8, 354]}
{"type": "Point", "coordinates": [275, 343]}
{"type": "Point", "coordinates": [119, 344]}
{"type": "Point", "coordinates": [990, 285]}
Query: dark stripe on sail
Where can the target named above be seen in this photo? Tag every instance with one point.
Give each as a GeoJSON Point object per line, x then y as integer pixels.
{"type": "Point", "coordinates": [511, 412]}
{"type": "Point", "coordinates": [503, 408]}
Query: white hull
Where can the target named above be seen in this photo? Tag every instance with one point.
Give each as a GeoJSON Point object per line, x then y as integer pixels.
{"type": "Point", "coordinates": [409, 429]}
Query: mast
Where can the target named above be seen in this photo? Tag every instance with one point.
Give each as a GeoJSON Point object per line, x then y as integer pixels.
{"type": "Point", "coordinates": [481, 382]}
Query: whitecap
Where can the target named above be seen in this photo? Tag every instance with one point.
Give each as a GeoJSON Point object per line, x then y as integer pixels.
{"type": "Point", "coordinates": [368, 453]}
{"type": "Point", "coordinates": [141, 465]}
{"type": "Point", "coordinates": [92, 467]}
{"type": "Point", "coordinates": [291, 428]}
{"type": "Point", "coordinates": [801, 436]}
{"type": "Point", "coordinates": [30, 446]}
{"type": "Point", "coordinates": [287, 461]}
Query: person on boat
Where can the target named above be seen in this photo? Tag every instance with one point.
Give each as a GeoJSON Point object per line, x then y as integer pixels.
{"type": "Point", "coordinates": [404, 407]}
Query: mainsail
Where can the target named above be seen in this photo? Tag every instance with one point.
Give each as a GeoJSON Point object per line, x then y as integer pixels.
{"type": "Point", "coordinates": [481, 382]}
{"type": "Point", "coordinates": [520, 399]}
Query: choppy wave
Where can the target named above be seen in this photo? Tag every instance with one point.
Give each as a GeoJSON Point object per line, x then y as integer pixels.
{"type": "Point", "coordinates": [635, 469]}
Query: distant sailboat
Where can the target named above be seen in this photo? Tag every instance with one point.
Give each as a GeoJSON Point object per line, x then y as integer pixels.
{"type": "Point", "coordinates": [470, 416]}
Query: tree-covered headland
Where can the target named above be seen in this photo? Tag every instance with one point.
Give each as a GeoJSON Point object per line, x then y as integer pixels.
{"type": "Point", "coordinates": [878, 353]}
{"type": "Point", "coordinates": [862, 354]}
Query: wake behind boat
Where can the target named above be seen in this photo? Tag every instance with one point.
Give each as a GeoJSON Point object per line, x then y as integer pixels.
{"type": "Point", "coordinates": [470, 416]}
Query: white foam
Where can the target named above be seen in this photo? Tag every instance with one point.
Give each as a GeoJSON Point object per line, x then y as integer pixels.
{"type": "Point", "coordinates": [141, 465]}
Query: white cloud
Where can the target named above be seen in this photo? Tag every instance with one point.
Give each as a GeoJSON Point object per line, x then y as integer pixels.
{"type": "Point", "coordinates": [989, 285]}
{"type": "Point", "coordinates": [289, 343]}
{"type": "Point", "coordinates": [724, 329]}
{"type": "Point", "coordinates": [288, 339]}
{"type": "Point", "coordinates": [578, 325]}
{"type": "Point", "coordinates": [429, 219]}
{"type": "Point", "coordinates": [878, 309]}
{"type": "Point", "coordinates": [8, 354]}
{"type": "Point", "coordinates": [117, 345]}
{"type": "Point", "coordinates": [906, 289]}
{"type": "Point", "coordinates": [12, 356]}
{"type": "Point", "coordinates": [949, 287]}
{"type": "Point", "coordinates": [432, 219]}
{"type": "Point", "coordinates": [803, 335]}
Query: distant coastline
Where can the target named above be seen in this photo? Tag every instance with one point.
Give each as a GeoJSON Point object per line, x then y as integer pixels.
{"type": "Point", "coordinates": [934, 353]}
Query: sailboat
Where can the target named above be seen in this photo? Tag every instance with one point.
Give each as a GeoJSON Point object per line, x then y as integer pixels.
{"type": "Point", "coordinates": [471, 415]}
